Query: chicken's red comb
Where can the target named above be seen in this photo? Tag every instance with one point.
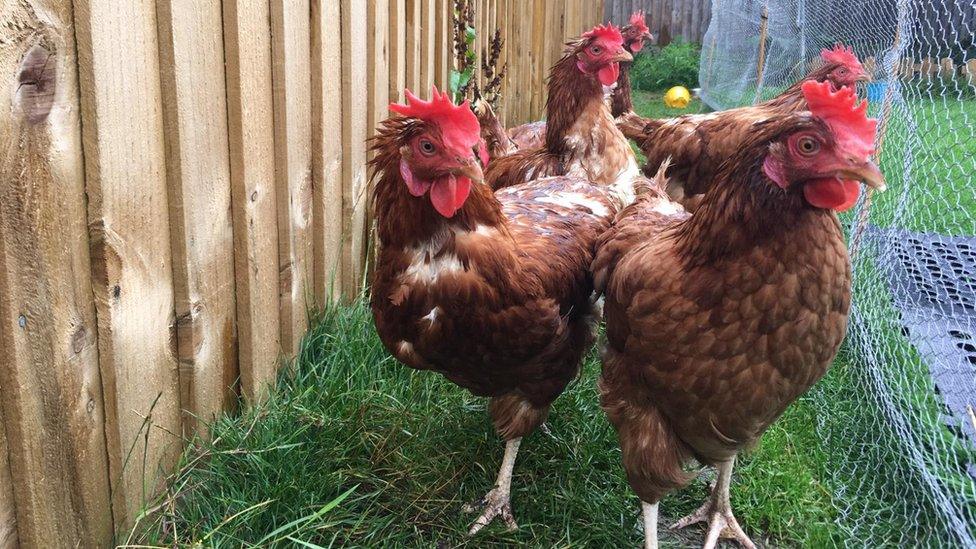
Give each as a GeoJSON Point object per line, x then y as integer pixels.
{"type": "Point", "coordinates": [847, 118]}
{"type": "Point", "coordinates": [458, 124]}
{"type": "Point", "coordinates": [842, 55]}
{"type": "Point", "coordinates": [637, 21]}
{"type": "Point", "coordinates": [607, 32]}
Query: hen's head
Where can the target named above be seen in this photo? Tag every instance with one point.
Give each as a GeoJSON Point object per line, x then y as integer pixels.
{"type": "Point", "coordinates": [636, 33]}
{"type": "Point", "coordinates": [437, 156]}
{"type": "Point", "coordinates": [841, 67]}
{"type": "Point", "coordinates": [826, 152]}
{"type": "Point", "coordinates": [600, 52]}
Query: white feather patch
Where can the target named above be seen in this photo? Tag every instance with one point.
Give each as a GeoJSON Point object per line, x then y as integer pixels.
{"type": "Point", "coordinates": [571, 200]}
{"type": "Point", "coordinates": [432, 315]}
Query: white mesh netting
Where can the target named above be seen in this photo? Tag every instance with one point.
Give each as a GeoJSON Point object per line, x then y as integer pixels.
{"type": "Point", "coordinates": [901, 432]}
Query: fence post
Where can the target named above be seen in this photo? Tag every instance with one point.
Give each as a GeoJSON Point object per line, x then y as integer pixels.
{"type": "Point", "coordinates": [761, 60]}
{"type": "Point", "coordinates": [54, 482]}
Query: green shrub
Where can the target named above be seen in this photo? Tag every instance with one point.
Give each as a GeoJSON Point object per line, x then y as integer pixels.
{"type": "Point", "coordinates": [674, 65]}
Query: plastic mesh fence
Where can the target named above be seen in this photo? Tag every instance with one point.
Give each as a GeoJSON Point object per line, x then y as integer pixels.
{"type": "Point", "coordinates": [902, 439]}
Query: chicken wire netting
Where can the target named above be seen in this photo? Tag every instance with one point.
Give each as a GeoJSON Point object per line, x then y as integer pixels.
{"type": "Point", "coordinates": [896, 414]}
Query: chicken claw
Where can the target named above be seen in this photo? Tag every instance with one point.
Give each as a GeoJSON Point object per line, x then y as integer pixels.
{"type": "Point", "coordinates": [717, 510]}
{"type": "Point", "coordinates": [497, 502]}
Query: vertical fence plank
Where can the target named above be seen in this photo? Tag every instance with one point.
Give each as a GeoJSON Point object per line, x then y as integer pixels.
{"type": "Point", "coordinates": [8, 513]}
{"type": "Point", "coordinates": [539, 37]}
{"type": "Point", "coordinates": [377, 62]}
{"type": "Point", "coordinates": [327, 148]}
{"type": "Point", "coordinates": [378, 94]}
{"type": "Point", "coordinates": [518, 94]}
{"type": "Point", "coordinates": [198, 173]}
{"type": "Point", "coordinates": [129, 231]}
{"type": "Point", "coordinates": [412, 41]}
{"type": "Point", "coordinates": [429, 62]}
{"type": "Point", "coordinates": [442, 49]}
{"type": "Point", "coordinates": [354, 113]}
{"type": "Point", "coordinates": [250, 116]}
{"type": "Point", "coordinates": [52, 444]}
{"type": "Point", "coordinates": [398, 48]}
{"type": "Point", "coordinates": [501, 15]}
{"type": "Point", "coordinates": [291, 48]}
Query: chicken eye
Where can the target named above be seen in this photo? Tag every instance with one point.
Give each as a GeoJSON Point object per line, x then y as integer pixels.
{"type": "Point", "coordinates": [426, 147]}
{"type": "Point", "coordinates": [808, 146]}
{"type": "Point", "coordinates": [596, 50]}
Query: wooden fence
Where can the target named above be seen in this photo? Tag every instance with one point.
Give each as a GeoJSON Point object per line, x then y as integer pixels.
{"type": "Point", "coordinates": [667, 19]}
{"type": "Point", "coordinates": [180, 181]}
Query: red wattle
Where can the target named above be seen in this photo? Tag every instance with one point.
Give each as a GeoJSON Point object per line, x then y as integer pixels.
{"type": "Point", "coordinates": [448, 194]}
{"type": "Point", "coordinates": [608, 73]}
{"type": "Point", "coordinates": [832, 193]}
{"type": "Point", "coordinates": [636, 46]}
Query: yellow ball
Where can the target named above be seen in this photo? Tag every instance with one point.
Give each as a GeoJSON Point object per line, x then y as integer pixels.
{"type": "Point", "coordinates": [677, 97]}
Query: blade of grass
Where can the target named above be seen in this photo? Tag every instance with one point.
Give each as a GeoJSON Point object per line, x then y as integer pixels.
{"type": "Point", "coordinates": [271, 537]}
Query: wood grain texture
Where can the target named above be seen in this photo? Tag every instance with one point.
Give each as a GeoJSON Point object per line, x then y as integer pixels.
{"type": "Point", "coordinates": [131, 268]}
{"type": "Point", "coordinates": [291, 49]}
{"type": "Point", "coordinates": [428, 44]}
{"type": "Point", "coordinates": [537, 60]}
{"type": "Point", "coordinates": [53, 460]}
{"type": "Point", "coordinates": [377, 62]}
{"type": "Point", "coordinates": [668, 18]}
{"type": "Point", "coordinates": [443, 47]}
{"type": "Point", "coordinates": [413, 43]}
{"type": "Point", "coordinates": [354, 115]}
{"type": "Point", "coordinates": [8, 511]}
{"type": "Point", "coordinates": [377, 84]}
{"type": "Point", "coordinates": [198, 174]}
{"type": "Point", "coordinates": [398, 48]}
{"type": "Point", "coordinates": [250, 118]}
{"type": "Point", "coordinates": [327, 148]}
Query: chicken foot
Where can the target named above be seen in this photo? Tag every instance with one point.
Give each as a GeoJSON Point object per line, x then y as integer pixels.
{"type": "Point", "coordinates": [497, 502]}
{"type": "Point", "coordinates": [717, 510]}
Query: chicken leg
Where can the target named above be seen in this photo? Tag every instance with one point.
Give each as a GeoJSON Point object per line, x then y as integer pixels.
{"type": "Point", "coordinates": [718, 512]}
{"type": "Point", "coordinates": [649, 510]}
{"type": "Point", "coordinates": [497, 502]}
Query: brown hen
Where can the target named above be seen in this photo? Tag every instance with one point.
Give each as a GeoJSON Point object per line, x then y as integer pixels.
{"type": "Point", "coordinates": [532, 135]}
{"type": "Point", "coordinates": [716, 322]}
{"type": "Point", "coordinates": [491, 290]}
{"type": "Point", "coordinates": [582, 139]}
{"type": "Point", "coordinates": [697, 144]}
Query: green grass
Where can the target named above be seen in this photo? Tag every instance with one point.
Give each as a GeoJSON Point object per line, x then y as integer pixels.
{"type": "Point", "coordinates": [940, 197]}
{"type": "Point", "coordinates": [651, 105]}
{"type": "Point", "coordinates": [410, 448]}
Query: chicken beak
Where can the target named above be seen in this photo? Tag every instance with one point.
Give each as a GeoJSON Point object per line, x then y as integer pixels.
{"type": "Point", "coordinates": [867, 172]}
{"type": "Point", "coordinates": [623, 57]}
{"type": "Point", "coordinates": [864, 77]}
{"type": "Point", "coordinates": [470, 169]}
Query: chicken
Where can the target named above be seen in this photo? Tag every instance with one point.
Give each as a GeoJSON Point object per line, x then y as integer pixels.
{"type": "Point", "coordinates": [698, 144]}
{"type": "Point", "coordinates": [717, 321]}
{"type": "Point", "coordinates": [635, 34]}
{"type": "Point", "coordinates": [497, 142]}
{"type": "Point", "coordinates": [492, 290]}
{"type": "Point", "coordinates": [582, 139]}
{"type": "Point", "coordinates": [533, 134]}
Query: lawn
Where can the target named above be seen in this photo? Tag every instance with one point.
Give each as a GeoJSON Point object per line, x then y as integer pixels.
{"type": "Point", "coordinates": [353, 449]}
{"type": "Point", "coordinates": [407, 449]}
